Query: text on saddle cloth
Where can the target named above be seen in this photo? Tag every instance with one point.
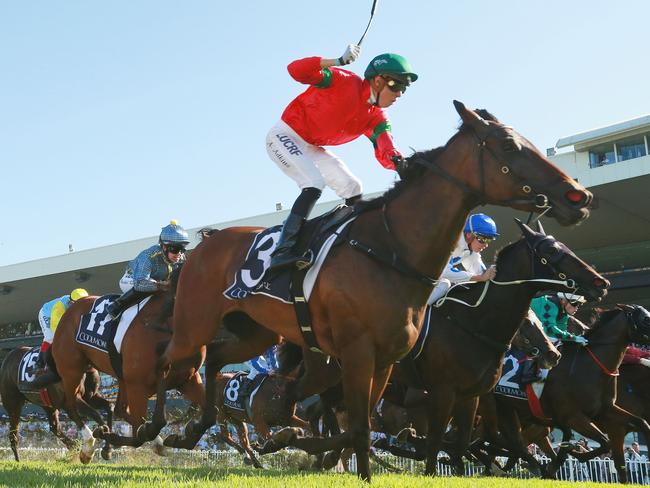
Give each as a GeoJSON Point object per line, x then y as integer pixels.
{"type": "Point", "coordinates": [511, 375]}
{"type": "Point", "coordinates": [239, 393]}
{"type": "Point", "coordinates": [96, 329]}
{"type": "Point", "coordinates": [250, 279]}
{"type": "Point", "coordinates": [27, 367]}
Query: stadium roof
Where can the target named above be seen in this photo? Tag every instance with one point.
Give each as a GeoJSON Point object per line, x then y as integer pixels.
{"type": "Point", "coordinates": [594, 135]}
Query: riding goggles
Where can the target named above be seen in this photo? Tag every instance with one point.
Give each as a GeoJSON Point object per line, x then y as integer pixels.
{"type": "Point", "coordinates": [483, 239]}
{"type": "Point", "coordinates": [175, 249]}
{"type": "Point", "coordinates": [395, 85]}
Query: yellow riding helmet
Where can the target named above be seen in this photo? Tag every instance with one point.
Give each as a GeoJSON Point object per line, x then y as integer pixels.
{"type": "Point", "coordinates": [78, 293]}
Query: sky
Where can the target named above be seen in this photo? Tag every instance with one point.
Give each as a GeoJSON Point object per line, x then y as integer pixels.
{"type": "Point", "coordinates": [116, 117]}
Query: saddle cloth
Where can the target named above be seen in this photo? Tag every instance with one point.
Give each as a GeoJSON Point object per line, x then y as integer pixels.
{"type": "Point", "coordinates": [27, 368]}
{"type": "Point", "coordinates": [239, 392]}
{"type": "Point", "coordinates": [96, 330]}
{"type": "Point", "coordinates": [250, 279]}
{"type": "Point", "coordinates": [510, 383]}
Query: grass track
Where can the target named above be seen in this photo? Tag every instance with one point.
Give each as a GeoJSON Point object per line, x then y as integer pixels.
{"type": "Point", "coordinates": [63, 473]}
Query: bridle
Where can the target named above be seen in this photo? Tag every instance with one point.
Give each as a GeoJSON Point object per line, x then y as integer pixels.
{"type": "Point", "coordinates": [539, 199]}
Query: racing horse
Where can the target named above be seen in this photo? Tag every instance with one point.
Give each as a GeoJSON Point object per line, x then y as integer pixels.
{"type": "Point", "coordinates": [369, 299]}
{"type": "Point", "coordinates": [141, 346]}
{"type": "Point", "coordinates": [13, 400]}
{"type": "Point", "coordinates": [580, 392]}
{"type": "Point", "coordinates": [478, 321]}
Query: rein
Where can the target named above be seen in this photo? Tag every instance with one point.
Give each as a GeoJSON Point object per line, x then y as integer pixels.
{"type": "Point", "coordinates": [601, 365]}
{"type": "Point", "coordinates": [566, 283]}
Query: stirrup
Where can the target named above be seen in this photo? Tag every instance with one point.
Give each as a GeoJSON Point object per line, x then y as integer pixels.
{"type": "Point", "coordinates": [305, 261]}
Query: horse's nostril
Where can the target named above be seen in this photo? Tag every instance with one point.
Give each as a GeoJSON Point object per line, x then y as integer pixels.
{"type": "Point", "coordinates": [578, 197]}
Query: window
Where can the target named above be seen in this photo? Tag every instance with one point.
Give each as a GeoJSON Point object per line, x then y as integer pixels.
{"type": "Point", "coordinates": [633, 147]}
{"type": "Point", "coordinates": [601, 155]}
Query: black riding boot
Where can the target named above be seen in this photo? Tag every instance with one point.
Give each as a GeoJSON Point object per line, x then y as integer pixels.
{"type": "Point", "coordinates": [47, 375]}
{"type": "Point", "coordinates": [128, 299]}
{"type": "Point", "coordinates": [284, 255]}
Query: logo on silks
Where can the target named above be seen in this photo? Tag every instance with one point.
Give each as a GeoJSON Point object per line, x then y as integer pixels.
{"type": "Point", "coordinates": [92, 327]}
{"type": "Point", "coordinates": [26, 368]}
{"type": "Point", "coordinates": [249, 277]}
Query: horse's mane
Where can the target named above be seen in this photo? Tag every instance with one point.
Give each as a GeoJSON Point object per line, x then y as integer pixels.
{"type": "Point", "coordinates": [415, 171]}
{"type": "Point", "coordinates": [206, 232]}
{"type": "Point", "coordinates": [601, 317]}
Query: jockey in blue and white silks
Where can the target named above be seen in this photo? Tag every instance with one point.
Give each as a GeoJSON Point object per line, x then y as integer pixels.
{"type": "Point", "coordinates": [150, 271]}
{"type": "Point", "coordinates": [264, 364]}
{"type": "Point", "coordinates": [465, 263]}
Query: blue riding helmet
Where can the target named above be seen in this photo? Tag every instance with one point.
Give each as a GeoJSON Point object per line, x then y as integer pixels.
{"type": "Point", "coordinates": [482, 225]}
{"type": "Point", "coordinates": [174, 234]}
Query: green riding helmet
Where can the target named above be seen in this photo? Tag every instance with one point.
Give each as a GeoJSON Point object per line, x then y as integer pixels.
{"type": "Point", "coordinates": [390, 64]}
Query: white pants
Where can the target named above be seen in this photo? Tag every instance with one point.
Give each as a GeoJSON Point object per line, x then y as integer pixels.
{"type": "Point", "coordinates": [309, 165]}
{"type": "Point", "coordinates": [126, 282]}
{"type": "Point", "coordinates": [44, 322]}
{"type": "Point", "coordinates": [439, 291]}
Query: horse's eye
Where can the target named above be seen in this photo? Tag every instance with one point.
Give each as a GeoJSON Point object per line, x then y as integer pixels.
{"type": "Point", "coordinates": [510, 146]}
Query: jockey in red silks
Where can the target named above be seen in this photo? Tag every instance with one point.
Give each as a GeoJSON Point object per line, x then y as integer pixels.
{"type": "Point", "coordinates": [338, 107]}
{"type": "Point", "coordinates": [634, 355]}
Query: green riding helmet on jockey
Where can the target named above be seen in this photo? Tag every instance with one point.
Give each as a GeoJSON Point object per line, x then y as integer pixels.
{"type": "Point", "coordinates": [337, 108]}
{"type": "Point", "coordinates": [150, 271]}
{"type": "Point", "coordinates": [49, 317]}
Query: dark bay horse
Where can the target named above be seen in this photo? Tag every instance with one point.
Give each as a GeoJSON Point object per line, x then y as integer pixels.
{"type": "Point", "coordinates": [367, 312]}
{"type": "Point", "coordinates": [140, 349]}
{"type": "Point", "coordinates": [470, 333]}
{"type": "Point", "coordinates": [580, 392]}
{"type": "Point", "coordinates": [13, 399]}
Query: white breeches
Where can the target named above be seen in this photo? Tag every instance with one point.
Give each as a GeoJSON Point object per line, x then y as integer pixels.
{"type": "Point", "coordinates": [309, 165]}
{"type": "Point", "coordinates": [439, 291]}
{"type": "Point", "coordinates": [44, 322]}
{"type": "Point", "coordinates": [126, 282]}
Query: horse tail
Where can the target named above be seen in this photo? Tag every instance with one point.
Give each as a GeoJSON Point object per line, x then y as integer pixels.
{"type": "Point", "coordinates": [289, 356]}
{"type": "Point", "coordinates": [206, 232]}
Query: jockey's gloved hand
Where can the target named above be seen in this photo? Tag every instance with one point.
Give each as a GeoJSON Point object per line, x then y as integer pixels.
{"type": "Point", "coordinates": [350, 55]}
{"type": "Point", "coordinates": [580, 340]}
{"type": "Point", "coordinates": [401, 164]}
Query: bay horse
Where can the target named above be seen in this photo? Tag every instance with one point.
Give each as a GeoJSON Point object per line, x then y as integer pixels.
{"type": "Point", "coordinates": [13, 400]}
{"type": "Point", "coordinates": [141, 346]}
{"type": "Point", "coordinates": [366, 312]}
{"type": "Point", "coordinates": [580, 392]}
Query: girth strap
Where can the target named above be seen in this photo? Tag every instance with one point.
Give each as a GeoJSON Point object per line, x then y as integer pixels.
{"type": "Point", "coordinates": [302, 309]}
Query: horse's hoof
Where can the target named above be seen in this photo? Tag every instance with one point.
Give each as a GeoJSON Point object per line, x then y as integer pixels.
{"type": "Point", "coordinates": [170, 440]}
{"type": "Point", "coordinates": [330, 460]}
{"type": "Point", "coordinates": [85, 458]}
{"type": "Point", "coordinates": [158, 446]}
{"type": "Point", "coordinates": [248, 461]}
{"type": "Point", "coordinates": [107, 454]}
{"type": "Point", "coordinates": [99, 433]}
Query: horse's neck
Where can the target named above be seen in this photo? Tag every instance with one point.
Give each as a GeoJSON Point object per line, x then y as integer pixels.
{"type": "Point", "coordinates": [428, 216]}
{"type": "Point", "coordinates": [609, 345]}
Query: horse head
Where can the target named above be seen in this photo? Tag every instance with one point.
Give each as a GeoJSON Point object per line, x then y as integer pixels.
{"type": "Point", "coordinates": [531, 339]}
{"type": "Point", "coordinates": [544, 257]}
{"type": "Point", "coordinates": [501, 167]}
{"type": "Point", "coordinates": [639, 321]}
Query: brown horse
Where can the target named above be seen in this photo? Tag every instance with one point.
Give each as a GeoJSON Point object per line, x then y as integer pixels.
{"type": "Point", "coordinates": [140, 348]}
{"type": "Point", "coordinates": [13, 399]}
{"type": "Point", "coordinates": [367, 312]}
{"type": "Point", "coordinates": [580, 391]}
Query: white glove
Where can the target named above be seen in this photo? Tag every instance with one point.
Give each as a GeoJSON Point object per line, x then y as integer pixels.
{"type": "Point", "coordinates": [350, 55]}
{"type": "Point", "coordinates": [645, 362]}
{"type": "Point", "coordinates": [580, 340]}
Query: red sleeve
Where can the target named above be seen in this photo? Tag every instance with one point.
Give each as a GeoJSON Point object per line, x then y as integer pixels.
{"type": "Point", "coordinates": [385, 149]}
{"type": "Point", "coordinates": [307, 70]}
{"type": "Point", "coordinates": [633, 355]}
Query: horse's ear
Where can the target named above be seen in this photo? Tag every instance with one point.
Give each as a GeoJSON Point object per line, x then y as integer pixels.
{"type": "Point", "coordinates": [470, 117]}
{"type": "Point", "coordinates": [625, 307]}
{"type": "Point", "coordinates": [540, 229]}
{"type": "Point", "coordinates": [525, 230]}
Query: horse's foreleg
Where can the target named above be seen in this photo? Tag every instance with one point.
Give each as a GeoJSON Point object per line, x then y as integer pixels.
{"type": "Point", "coordinates": [242, 433]}
{"type": "Point", "coordinates": [71, 381]}
{"type": "Point", "coordinates": [194, 390]}
{"type": "Point", "coordinates": [585, 427]}
{"type": "Point", "coordinates": [99, 403]}
{"type": "Point", "coordinates": [441, 403]}
{"type": "Point", "coordinates": [53, 419]}
{"type": "Point", "coordinates": [134, 413]}
{"type": "Point", "coordinates": [464, 414]}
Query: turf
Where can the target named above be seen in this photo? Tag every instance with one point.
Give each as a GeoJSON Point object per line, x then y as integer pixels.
{"type": "Point", "coordinates": [66, 473]}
